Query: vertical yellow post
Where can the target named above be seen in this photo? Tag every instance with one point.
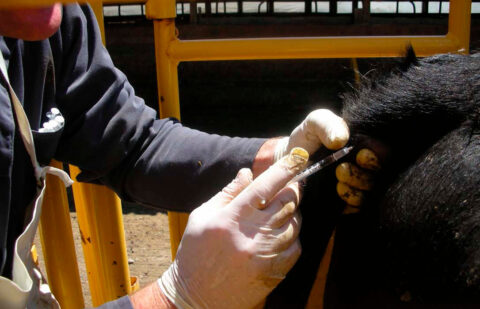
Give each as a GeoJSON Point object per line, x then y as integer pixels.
{"type": "Point", "coordinates": [163, 13]}
{"type": "Point", "coordinates": [167, 75]}
{"type": "Point", "coordinates": [100, 221]}
{"type": "Point", "coordinates": [99, 213]}
{"type": "Point", "coordinates": [356, 71]}
{"type": "Point", "coordinates": [97, 7]}
{"type": "Point", "coordinates": [58, 246]}
{"type": "Point", "coordinates": [317, 293]}
{"type": "Point", "coordinates": [459, 24]}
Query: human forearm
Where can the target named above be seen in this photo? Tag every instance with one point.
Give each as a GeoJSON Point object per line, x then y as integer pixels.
{"type": "Point", "coordinates": [185, 160]}
{"type": "Point", "coordinates": [151, 297]}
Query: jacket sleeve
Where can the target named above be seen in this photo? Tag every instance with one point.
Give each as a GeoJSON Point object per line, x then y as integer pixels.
{"type": "Point", "coordinates": [116, 139]}
{"type": "Point", "coordinates": [121, 303]}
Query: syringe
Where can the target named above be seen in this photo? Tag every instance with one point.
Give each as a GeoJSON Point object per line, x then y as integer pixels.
{"type": "Point", "coordinates": [321, 164]}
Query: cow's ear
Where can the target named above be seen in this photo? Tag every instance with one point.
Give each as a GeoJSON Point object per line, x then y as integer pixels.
{"type": "Point", "coordinates": [409, 60]}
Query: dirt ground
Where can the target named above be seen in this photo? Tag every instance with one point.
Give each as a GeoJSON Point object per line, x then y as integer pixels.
{"type": "Point", "coordinates": [148, 245]}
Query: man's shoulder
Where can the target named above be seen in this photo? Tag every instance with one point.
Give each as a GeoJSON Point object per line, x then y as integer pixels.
{"type": "Point", "coordinates": [75, 17]}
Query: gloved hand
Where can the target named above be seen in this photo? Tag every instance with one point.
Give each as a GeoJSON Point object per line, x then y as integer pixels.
{"type": "Point", "coordinates": [321, 127]}
{"type": "Point", "coordinates": [355, 179]}
{"type": "Point", "coordinates": [241, 243]}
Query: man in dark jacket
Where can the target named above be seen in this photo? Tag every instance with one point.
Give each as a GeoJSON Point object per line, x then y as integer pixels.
{"type": "Point", "coordinates": [56, 62]}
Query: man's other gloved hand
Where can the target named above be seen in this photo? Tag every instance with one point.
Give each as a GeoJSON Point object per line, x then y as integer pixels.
{"type": "Point", "coordinates": [355, 179]}
{"type": "Point", "coordinates": [321, 127]}
{"type": "Point", "coordinates": [241, 243]}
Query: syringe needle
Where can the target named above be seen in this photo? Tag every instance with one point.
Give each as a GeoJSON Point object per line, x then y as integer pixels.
{"type": "Point", "coordinates": [321, 164]}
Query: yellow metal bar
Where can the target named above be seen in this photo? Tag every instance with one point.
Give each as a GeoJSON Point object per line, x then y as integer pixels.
{"type": "Point", "coordinates": [97, 7]}
{"type": "Point", "coordinates": [93, 274]}
{"type": "Point", "coordinates": [169, 105]}
{"type": "Point", "coordinates": [356, 71]}
{"type": "Point", "coordinates": [34, 254]}
{"type": "Point", "coordinates": [58, 245]}
{"type": "Point", "coordinates": [167, 77]}
{"type": "Point", "coordinates": [303, 48]}
{"type": "Point", "coordinates": [100, 220]}
{"type": "Point", "coordinates": [162, 9]}
{"type": "Point", "coordinates": [120, 2]}
{"type": "Point", "coordinates": [459, 24]}
{"type": "Point", "coordinates": [317, 293]}
{"type": "Point", "coordinates": [99, 213]}
{"type": "Point", "coordinates": [134, 284]}
{"type": "Point", "coordinates": [457, 40]}
{"type": "Point", "coordinates": [177, 222]}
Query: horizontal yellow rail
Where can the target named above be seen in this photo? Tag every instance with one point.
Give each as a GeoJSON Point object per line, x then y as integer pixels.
{"type": "Point", "coordinates": [120, 2]}
{"type": "Point", "coordinates": [457, 40]}
{"type": "Point", "coordinates": [321, 47]}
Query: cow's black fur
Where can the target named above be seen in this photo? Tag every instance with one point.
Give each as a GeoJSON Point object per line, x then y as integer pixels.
{"type": "Point", "coordinates": [417, 240]}
{"type": "Point", "coordinates": [429, 214]}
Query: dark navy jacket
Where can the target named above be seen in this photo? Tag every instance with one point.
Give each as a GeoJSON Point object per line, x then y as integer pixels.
{"type": "Point", "coordinates": [113, 137]}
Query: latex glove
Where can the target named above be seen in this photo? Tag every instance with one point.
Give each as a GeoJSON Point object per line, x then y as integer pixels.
{"type": "Point", "coordinates": [355, 179]}
{"type": "Point", "coordinates": [240, 244]}
{"type": "Point", "coordinates": [321, 127]}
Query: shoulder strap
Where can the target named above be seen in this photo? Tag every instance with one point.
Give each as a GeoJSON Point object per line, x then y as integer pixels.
{"type": "Point", "coordinates": [23, 124]}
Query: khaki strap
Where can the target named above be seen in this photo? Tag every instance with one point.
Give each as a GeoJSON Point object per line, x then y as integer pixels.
{"type": "Point", "coordinates": [22, 120]}
{"type": "Point", "coordinates": [26, 134]}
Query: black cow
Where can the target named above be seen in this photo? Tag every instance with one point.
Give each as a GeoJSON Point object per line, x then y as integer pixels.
{"type": "Point", "coordinates": [417, 241]}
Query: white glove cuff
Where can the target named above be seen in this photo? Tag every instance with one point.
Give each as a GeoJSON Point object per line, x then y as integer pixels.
{"type": "Point", "coordinates": [281, 149]}
{"type": "Point", "coordinates": [167, 285]}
